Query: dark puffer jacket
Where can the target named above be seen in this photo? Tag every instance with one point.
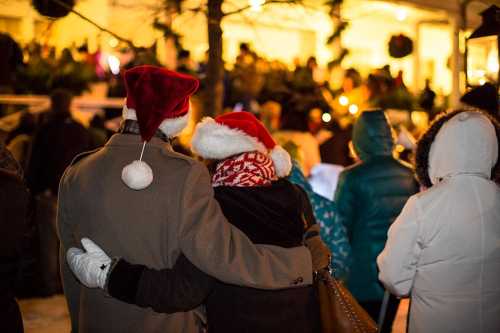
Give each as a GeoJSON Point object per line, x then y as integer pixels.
{"type": "Point", "coordinates": [369, 197]}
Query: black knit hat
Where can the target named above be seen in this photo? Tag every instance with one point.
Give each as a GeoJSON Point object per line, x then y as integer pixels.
{"type": "Point", "coordinates": [484, 97]}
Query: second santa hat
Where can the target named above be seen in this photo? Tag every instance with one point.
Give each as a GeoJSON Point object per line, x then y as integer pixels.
{"type": "Point", "coordinates": [236, 133]}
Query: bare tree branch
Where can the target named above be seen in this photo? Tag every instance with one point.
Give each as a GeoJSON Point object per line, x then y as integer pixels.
{"type": "Point", "coordinates": [242, 9]}
{"type": "Point", "coordinates": [98, 26]}
{"type": "Point", "coordinates": [196, 10]}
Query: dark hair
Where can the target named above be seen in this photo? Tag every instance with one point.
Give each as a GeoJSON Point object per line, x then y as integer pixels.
{"type": "Point", "coordinates": [311, 61]}
{"type": "Point", "coordinates": [425, 142]}
{"type": "Point", "coordinates": [374, 85]}
{"type": "Point", "coordinates": [294, 121]}
{"type": "Point", "coordinates": [183, 54]}
{"type": "Point", "coordinates": [244, 47]}
{"type": "Point", "coordinates": [354, 75]}
{"type": "Point", "coordinates": [61, 100]}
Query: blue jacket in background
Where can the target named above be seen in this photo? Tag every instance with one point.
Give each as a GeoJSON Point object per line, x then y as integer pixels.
{"type": "Point", "coordinates": [333, 233]}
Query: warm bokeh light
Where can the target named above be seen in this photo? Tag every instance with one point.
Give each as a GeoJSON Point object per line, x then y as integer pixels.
{"type": "Point", "coordinates": [420, 119]}
{"type": "Point", "coordinates": [492, 62]}
{"type": "Point", "coordinates": [113, 42]}
{"type": "Point", "coordinates": [353, 109]}
{"type": "Point", "coordinates": [343, 100]}
{"type": "Point", "coordinates": [256, 5]}
{"type": "Point", "coordinates": [401, 14]}
{"type": "Point", "coordinates": [326, 117]}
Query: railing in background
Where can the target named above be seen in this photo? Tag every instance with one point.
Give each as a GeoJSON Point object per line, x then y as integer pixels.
{"type": "Point", "coordinates": [82, 108]}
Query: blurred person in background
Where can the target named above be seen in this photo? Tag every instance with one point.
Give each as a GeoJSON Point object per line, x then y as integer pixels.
{"type": "Point", "coordinates": [8, 162]}
{"type": "Point", "coordinates": [270, 115]}
{"type": "Point", "coordinates": [184, 63]}
{"type": "Point", "coordinates": [370, 195]}
{"type": "Point", "coordinates": [11, 58]}
{"type": "Point", "coordinates": [335, 150]}
{"type": "Point", "coordinates": [20, 139]}
{"type": "Point", "coordinates": [444, 248]}
{"type": "Point", "coordinates": [351, 92]}
{"type": "Point", "coordinates": [294, 128]}
{"type": "Point", "coordinates": [98, 132]}
{"type": "Point", "coordinates": [58, 140]}
{"type": "Point", "coordinates": [427, 99]}
{"type": "Point", "coordinates": [14, 200]}
{"type": "Point", "coordinates": [303, 76]}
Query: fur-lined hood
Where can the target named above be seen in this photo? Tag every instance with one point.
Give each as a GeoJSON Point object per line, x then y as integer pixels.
{"type": "Point", "coordinates": [463, 142]}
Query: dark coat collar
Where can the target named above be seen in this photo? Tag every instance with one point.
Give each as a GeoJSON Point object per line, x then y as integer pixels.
{"type": "Point", "coordinates": [134, 140]}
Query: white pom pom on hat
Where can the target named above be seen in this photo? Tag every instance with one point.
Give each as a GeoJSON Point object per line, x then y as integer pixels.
{"type": "Point", "coordinates": [157, 99]}
{"type": "Point", "coordinates": [235, 133]}
{"type": "Point", "coordinates": [137, 175]}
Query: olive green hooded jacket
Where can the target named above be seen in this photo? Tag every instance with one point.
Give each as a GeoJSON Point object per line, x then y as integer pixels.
{"type": "Point", "coordinates": [369, 197]}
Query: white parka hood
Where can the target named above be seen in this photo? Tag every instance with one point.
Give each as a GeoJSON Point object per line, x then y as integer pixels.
{"type": "Point", "coordinates": [466, 144]}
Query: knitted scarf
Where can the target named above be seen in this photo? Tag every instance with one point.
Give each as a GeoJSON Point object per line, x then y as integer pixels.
{"type": "Point", "coordinates": [245, 170]}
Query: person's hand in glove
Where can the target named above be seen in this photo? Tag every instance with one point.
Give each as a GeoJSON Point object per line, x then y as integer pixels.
{"type": "Point", "coordinates": [320, 253]}
{"type": "Point", "coordinates": [90, 267]}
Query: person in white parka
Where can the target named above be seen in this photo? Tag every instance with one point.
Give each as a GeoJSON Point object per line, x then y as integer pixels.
{"type": "Point", "coordinates": [444, 248]}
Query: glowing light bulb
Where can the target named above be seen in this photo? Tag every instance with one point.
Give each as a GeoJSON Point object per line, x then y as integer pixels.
{"type": "Point", "coordinates": [343, 100]}
{"type": "Point", "coordinates": [353, 109]}
{"type": "Point", "coordinates": [326, 117]}
{"type": "Point", "coordinates": [401, 14]}
{"type": "Point", "coordinates": [256, 5]}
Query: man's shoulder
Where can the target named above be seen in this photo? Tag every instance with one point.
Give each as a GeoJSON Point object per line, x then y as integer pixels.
{"type": "Point", "coordinates": [76, 163]}
{"type": "Point", "coordinates": [182, 165]}
{"type": "Point", "coordinates": [83, 155]}
{"type": "Point", "coordinates": [175, 157]}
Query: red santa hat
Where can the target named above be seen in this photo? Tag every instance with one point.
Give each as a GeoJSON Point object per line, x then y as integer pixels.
{"type": "Point", "coordinates": [158, 99]}
{"type": "Point", "coordinates": [235, 133]}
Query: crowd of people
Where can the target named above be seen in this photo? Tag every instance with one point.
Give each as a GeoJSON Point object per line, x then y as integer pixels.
{"type": "Point", "coordinates": [166, 232]}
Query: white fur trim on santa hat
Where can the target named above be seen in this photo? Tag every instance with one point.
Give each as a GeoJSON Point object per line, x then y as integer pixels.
{"type": "Point", "coordinates": [170, 127]}
{"type": "Point", "coordinates": [212, 140]}
{"type": "Point", "coordinates": [174, 126]}
{"type": "Point", "coordinates": [282, 161]}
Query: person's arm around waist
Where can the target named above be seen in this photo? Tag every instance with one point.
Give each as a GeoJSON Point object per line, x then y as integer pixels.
{"type": "Point", "coordinates": [221, 250]}
{"type": "Point", "coordinates": [182, 288]}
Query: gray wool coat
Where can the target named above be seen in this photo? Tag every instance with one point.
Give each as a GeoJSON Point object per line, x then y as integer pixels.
{"type": "Point", "coordinates": [176, 213]}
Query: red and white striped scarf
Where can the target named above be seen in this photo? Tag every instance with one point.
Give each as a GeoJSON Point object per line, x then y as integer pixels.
{"type": "Point", "coordinates": [245, 170]}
